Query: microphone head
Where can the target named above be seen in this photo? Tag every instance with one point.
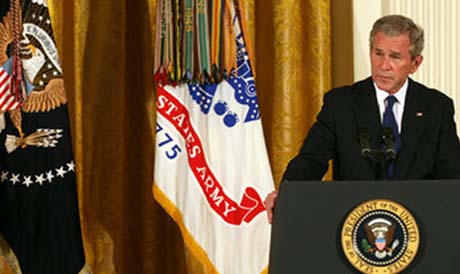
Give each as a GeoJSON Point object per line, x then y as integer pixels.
{"type": "Point", "coordinates": [366, 152]}
{"type": "Point", "coordinates": [364, 140]}
{"type": "Point", "coordinates": [388, 140]}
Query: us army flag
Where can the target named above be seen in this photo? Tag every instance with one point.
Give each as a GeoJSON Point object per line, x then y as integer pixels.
{"type": "Point", "coordinates": [39, 216]}
{"type": "Point", "coordinates": [212, 170]}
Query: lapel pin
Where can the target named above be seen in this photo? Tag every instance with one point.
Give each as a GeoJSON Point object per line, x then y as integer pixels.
{"type": "Point", "coordinates": [419, 114]}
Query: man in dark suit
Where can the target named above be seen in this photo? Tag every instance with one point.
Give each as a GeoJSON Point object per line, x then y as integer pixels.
{"type": "Point", "coordinates": [356, 122]}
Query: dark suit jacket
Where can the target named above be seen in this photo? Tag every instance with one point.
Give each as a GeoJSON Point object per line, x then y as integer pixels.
{"type": "Point", "coordinates": [430, 146]}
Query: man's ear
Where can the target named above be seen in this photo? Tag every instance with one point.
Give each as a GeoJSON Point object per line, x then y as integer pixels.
{"type": "Point", "coordinates": [416, 63]}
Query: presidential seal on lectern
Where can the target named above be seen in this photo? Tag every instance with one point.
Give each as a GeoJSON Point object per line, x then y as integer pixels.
{"type": "Point", "coordinates": [380, 237]}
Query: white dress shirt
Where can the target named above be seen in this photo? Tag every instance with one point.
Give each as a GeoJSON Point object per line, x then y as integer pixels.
{"type": "Point", "coordinates": [398, 107]}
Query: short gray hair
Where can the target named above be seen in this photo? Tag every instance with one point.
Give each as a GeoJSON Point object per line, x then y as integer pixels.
{"type": "Point", "coordinates": [394, 25]}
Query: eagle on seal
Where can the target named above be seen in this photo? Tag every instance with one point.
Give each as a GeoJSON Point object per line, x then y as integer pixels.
{"type": "Point", "coordinates": [379, 234]}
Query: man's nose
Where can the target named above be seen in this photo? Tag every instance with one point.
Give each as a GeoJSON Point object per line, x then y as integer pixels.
{"type": "Point", "coordinates": [386, 64]}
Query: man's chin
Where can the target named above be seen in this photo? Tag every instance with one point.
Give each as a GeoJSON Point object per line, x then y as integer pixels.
{"type": "Point", "coordinates": [384, 85]}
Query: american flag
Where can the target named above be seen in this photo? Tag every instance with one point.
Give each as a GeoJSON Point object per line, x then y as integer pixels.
{"type": "Point", "coordinates": [7, 100]}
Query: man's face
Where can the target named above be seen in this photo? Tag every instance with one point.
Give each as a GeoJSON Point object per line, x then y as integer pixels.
{"type": "Point", "coordinates": [391, 62]}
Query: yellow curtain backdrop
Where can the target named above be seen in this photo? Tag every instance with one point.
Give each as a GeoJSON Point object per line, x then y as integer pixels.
{"type": "Point", "coordinates": [106, 51]}
{"type": "Point", "coordinates": [107, 55]}
{"type": "Point", "coordinates": [293, 64]}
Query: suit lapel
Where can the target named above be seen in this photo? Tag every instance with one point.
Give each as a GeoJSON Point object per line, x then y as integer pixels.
{"type": "Point", "coordinates": [366, 110]}
{"type": "Point", "coordinates": [415, 110]}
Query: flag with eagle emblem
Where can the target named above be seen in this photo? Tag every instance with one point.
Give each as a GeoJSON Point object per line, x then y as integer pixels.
{"type": "Point", "coordinates": [39, 216]}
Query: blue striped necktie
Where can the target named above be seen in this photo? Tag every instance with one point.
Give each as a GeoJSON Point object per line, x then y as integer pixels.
{"type": "Point", "coordinates": [389, 120]}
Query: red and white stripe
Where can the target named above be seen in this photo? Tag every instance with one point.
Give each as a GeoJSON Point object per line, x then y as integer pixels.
{"type": "Point", "coordinates": [7, 98]}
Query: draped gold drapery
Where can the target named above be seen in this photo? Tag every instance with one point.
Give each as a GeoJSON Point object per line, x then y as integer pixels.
{"type": "Point", "coordinates": [107, 54]}
{"type": "Point", "coordinates": [293, 65]}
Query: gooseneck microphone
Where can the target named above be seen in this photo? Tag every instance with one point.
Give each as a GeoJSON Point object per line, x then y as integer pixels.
{"type": "Point", "coordinates": [364, 140]}
{"type": "Point", "coordinates": [381, 157]}
{"type": "Point", "coordinates": [388, 141]}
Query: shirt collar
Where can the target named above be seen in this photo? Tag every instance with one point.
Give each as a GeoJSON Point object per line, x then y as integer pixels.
{"type": "Point", "coordinates": [400, 94]}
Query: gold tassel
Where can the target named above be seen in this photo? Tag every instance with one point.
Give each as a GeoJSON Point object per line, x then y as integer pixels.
{"type": "Point", "coordinates": [16, 118]}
